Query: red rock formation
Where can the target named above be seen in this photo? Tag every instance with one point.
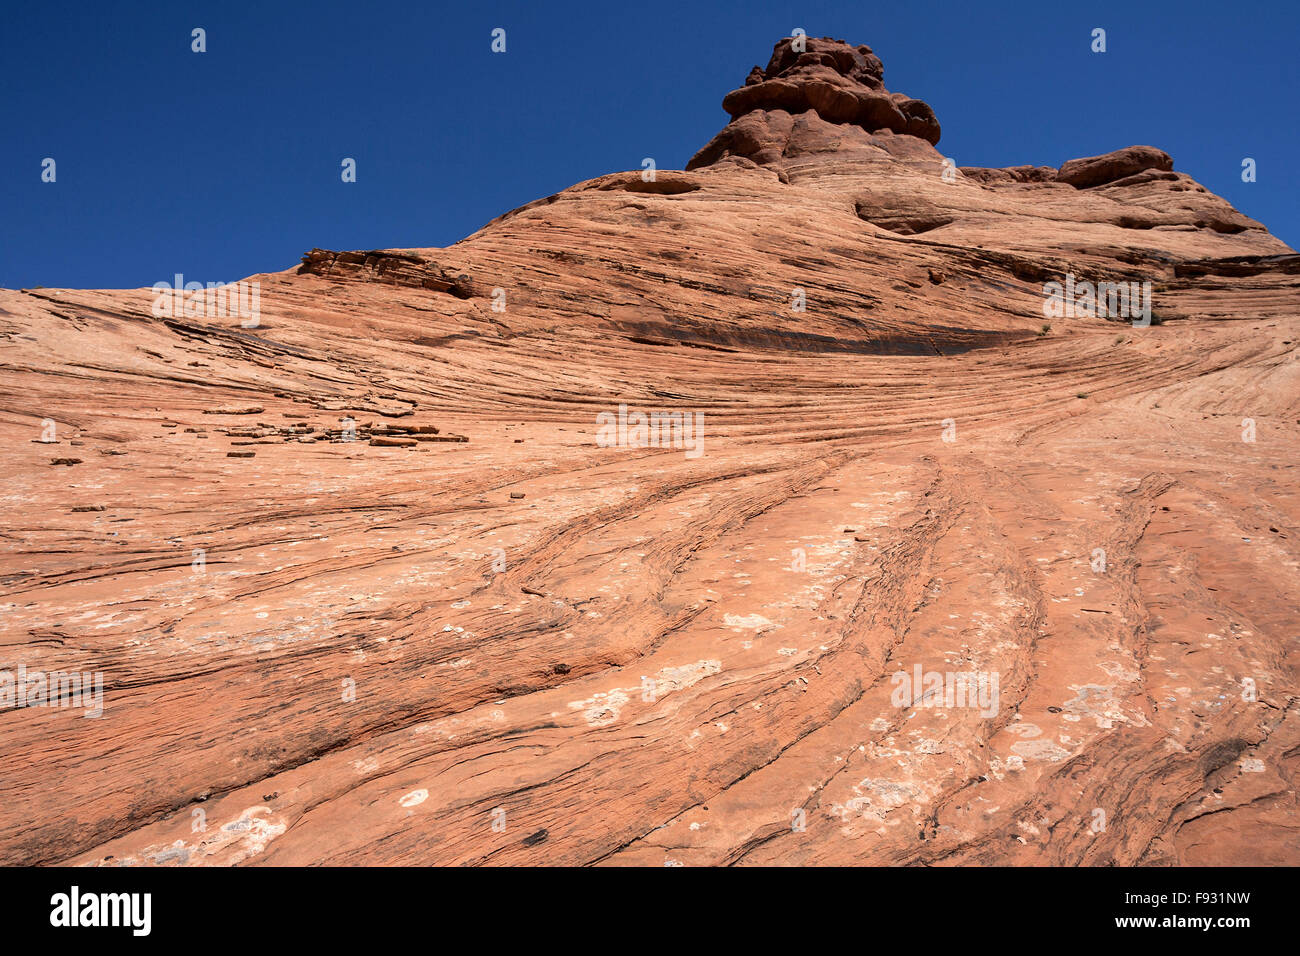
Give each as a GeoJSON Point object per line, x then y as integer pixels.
{"type": "Point", "coordinates": [839, 82]}
{"type": "Point", "coordinates": [1113, 167]}
{"type": "Point", "coordinates": [437, 619]}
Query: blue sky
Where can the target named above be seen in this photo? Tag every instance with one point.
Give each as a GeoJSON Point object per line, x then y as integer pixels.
{"type": "Point", "coordinates": [227, 163]}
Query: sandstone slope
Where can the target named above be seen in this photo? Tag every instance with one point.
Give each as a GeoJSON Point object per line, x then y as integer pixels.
{"type": "Point", "coordinates": [524, 647]}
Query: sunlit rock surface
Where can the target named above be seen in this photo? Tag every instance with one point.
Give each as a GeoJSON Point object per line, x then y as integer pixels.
{"type": "Point", "coordinates": [429, 615]}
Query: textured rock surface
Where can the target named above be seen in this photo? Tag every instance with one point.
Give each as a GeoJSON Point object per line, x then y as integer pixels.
{"type": "Point", "coordinates": [1099, 170]}
{"type": "Point", "coordinates": [842, 83]}
{"type": "Point", "coordinates": [373, 650]}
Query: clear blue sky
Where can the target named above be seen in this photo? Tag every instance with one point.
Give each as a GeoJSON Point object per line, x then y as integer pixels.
{"type": "Point", "coordinates": [223, 164]}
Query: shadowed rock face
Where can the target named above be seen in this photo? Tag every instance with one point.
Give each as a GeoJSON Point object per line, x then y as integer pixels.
{"type": "Point", "coordinates": [1112, 167]}
{"type": "Point", "coordinates": [841, 84]}
{"type": "Point", "coordinates": [363, 580]}
{"type": "Point", "coordinates": [1122, 164]}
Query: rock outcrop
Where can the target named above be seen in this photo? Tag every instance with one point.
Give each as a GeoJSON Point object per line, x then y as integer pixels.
{"type": "Point", "coordinates": [1113, 167]}
{"type": "Point", "coordinates": [1122, 164]}
{"type": "Point", "coordinates": [822, 118]}
{"type": "Point", "coordinates": [397, 574]}
{"type": "Point", "coordinates": [839, 83]}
